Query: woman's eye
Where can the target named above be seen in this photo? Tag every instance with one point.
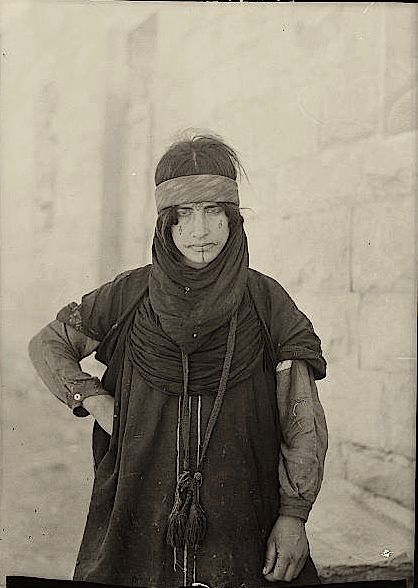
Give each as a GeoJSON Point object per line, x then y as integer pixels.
{"type": "Point", "coordinates": [214, 209]}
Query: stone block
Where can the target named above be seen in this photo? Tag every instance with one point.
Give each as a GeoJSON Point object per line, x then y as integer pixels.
{"type": "Point", "coordinates": [347, 107]}
{"type": "Point", "coordinates": [398, 411]}
{"type": "Point", "coordinates": [383, 238]}
{"type": "Point", "coordinates": [338, 35]}
{"type": "Point", "coordinates": [371, 409]}
{"type": "Point", "coordinates": [352, 403]}
{"type": "Point", "coordinates": [311, 251]}
{"type": "Point", "coordinates": [388, 168]}
{"type": "Point", "coordinates": [278, 132]}
{"type": "Point", "coordinates": [334, 317]}
{"type": "Point", "coordinates": [386, 475]}
{"type": "Point", "coordinates": [368, 170]}
{"type": "Point", "coordinates": [342, 88]}
{"type": "Point", "coordinates": [387, 332]}
{"type": "Point", "coordinates": [400, 68]}
{"type": "Point", "coordinates": [316, 182]}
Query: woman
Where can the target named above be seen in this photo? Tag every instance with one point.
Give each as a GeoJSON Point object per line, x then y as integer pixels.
{"type": "Point", "coordinates": [209, 439]}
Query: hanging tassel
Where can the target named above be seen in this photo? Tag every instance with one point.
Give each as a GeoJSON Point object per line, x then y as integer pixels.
{"type": "Point", "coordinates": [196, 524]}
{"type": "Point", "coordinates": [177, 521]}
{"type": "Point", "coordinates": [187, 522]}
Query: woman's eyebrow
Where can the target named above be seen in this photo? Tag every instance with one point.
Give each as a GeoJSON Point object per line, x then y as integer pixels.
{"type": "Point", "coordinates": [197, 206]}
{"type": "Point", "coordinates": [209, 205]}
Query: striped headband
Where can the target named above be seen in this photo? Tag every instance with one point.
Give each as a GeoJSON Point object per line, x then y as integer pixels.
{"type": "Point", "coordinates": [196, 188]}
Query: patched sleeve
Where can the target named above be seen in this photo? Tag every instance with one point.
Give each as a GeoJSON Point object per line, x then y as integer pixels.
{"type": "Point", "coordinates": [304, 438]}
{"type": "Point", "coordinates": [98, 311]}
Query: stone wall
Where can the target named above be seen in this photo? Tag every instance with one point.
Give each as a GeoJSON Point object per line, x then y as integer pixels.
{"type": "Point", "coordinates": [318, 100]}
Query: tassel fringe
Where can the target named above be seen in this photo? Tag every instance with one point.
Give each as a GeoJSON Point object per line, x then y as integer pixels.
{"type": "Point", "coordinates": [187, 521]}
{"type": "Point", "coordinates": [196, 523]}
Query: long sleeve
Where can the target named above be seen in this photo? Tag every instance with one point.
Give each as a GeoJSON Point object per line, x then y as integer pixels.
{"type": "Point", "coordinates": [56, 352]}
{"type": "Point", "coordinates": [304, 438]}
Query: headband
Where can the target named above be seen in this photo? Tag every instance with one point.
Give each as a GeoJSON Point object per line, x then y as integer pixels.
{"type": "Point", "coordinates": [196, 188]}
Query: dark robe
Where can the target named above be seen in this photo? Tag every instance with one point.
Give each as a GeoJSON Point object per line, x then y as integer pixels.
{"type": "Point", "coordinates": [125, 537]}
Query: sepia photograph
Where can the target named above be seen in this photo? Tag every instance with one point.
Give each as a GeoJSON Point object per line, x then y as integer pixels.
{"type": "Point", "coordinates": [208, 292]}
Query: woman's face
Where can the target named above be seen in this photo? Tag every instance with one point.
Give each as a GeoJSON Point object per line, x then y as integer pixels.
{"type": "Point", "coordinates": [201, 232]}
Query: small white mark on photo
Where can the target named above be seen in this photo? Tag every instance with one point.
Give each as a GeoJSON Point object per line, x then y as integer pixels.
{"type": "Point", "coordinates": [386, 553]}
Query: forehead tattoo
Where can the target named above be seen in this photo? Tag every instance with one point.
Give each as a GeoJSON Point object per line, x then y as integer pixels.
{"type": "Point", "coordinates": [198, 205]}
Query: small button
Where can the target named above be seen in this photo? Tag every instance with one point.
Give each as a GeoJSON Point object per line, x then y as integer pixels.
{"type": "Point", "coordinates": [194, 335]}
{"type": "Point", "coordinates": [77, 396]}
{"type": "Point", "coordinates": [186, 289]}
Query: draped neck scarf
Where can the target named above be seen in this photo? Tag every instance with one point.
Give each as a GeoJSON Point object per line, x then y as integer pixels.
{"type": "Point", "coordinates": [191, 306]}
{"type": "Point", "coordinates": [191, 303]}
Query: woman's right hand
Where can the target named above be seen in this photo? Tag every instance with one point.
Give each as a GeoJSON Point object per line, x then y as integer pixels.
{"type": "Point", "coordinates": [102, 408]}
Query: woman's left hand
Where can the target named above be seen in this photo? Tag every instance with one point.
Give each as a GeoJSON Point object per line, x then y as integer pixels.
{"type": "Point", "coordinates": [287, 550]}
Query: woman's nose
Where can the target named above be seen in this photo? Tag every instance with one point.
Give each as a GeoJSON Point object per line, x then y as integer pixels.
{"type": "Point", "coordinates": [200, 224]}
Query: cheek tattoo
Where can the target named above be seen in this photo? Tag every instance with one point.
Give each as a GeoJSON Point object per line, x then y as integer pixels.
{"type": "Point", "coordinates": [221, 223]}
{"type": "Point", "coordinates": [180, 230]}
